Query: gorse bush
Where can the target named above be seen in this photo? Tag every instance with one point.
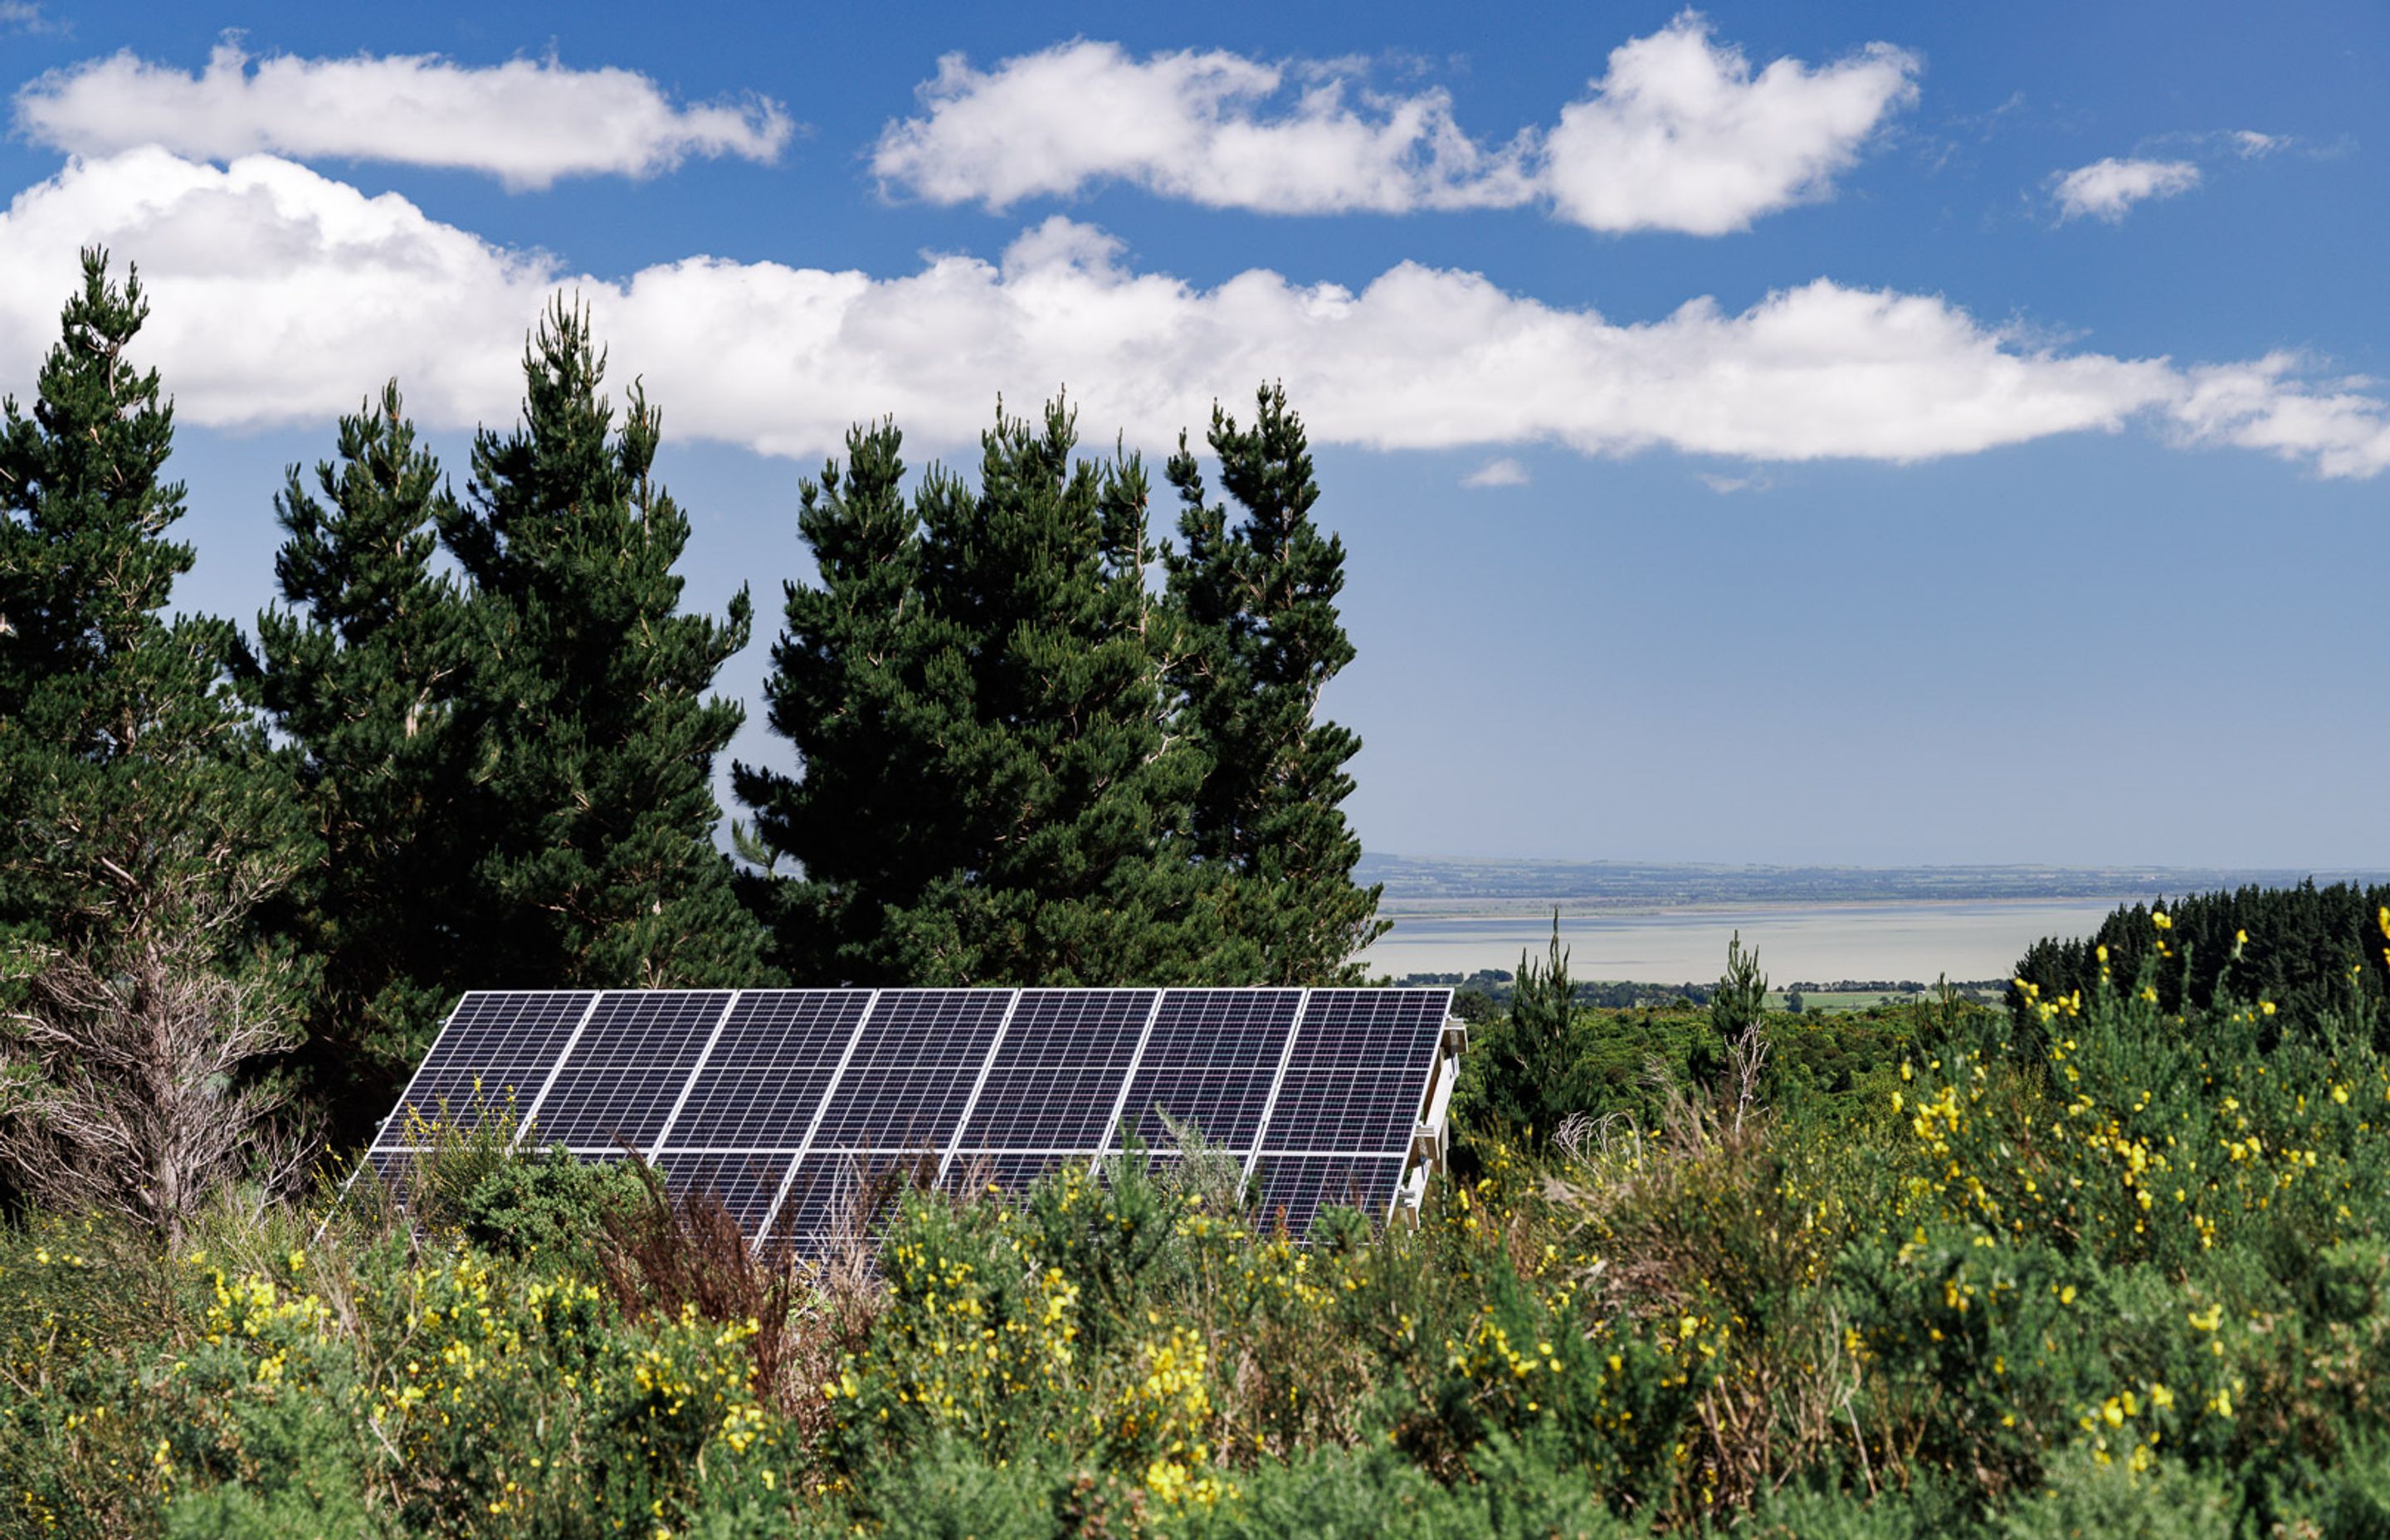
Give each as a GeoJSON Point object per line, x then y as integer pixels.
{"type": "Point", "coordinates": [457, 1396]}
{"type": "Point", "coordinates": [2160, 1242]}
{"type": "Point", "coordinates": [549, 1206]}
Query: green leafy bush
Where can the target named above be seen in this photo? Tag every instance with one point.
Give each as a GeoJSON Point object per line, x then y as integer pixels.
{"type": "Point", "coordinates": [547, 1206]}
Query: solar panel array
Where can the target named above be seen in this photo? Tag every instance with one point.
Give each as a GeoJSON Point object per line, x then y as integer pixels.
{"type": "Point", "coordinates": [801, 1107]}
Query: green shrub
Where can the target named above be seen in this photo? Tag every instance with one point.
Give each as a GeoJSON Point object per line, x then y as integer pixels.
{"type": "Point", "coordinates": [1374, 1494]}
{"type": "Point", "coordinates": [950, 1490]}
{"type": "Point", "coordinates": [1108, 1237]}
{"type": "Point", "coordinates": [976, 1339]}
{"type": "Point", "coordinates": [2090, 1499]}
{"type": "Point", "coordinates": [1800, 1514]}
{"type": "Point", "coordinates": [547, 1206]}
{"type": "Point", "coordinates": [2351, 1500]}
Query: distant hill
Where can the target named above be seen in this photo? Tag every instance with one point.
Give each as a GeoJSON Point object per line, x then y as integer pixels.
{"type": "Point", "coordinates": [1639, 884]}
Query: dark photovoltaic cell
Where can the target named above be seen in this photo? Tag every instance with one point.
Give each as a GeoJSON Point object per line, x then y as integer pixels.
{"type": "Point", "coordinates": [745, 1184]}
{"type": "Point", "coordinates": [1161, 1165]}
{"type": "Point", "coordinates": [1357, 1078]}
{"type": "Point", "coordinates": [1007, 1173]}
{"type": "Point", "coordinates": [491, 1059]}
{"type": "Point", "coordinates": [1058, 1070]}
{"type": "Point", "coordinates": [1210, 1061]}
{"type": "Point", "coordinates": [843, 1197]}
{"type": "Point", "coordinates": [1293, 1189]}
{"type": "Point", "coordinates": [913, 1069]}
{"type": "Point", "coordinates": [763, 1082]}
{"type": "Point", "coordinates": [392, 1168]}
{"type": "Point", "coordinates": [627, 1067]}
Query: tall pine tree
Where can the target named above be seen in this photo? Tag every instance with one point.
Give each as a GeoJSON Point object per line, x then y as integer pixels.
{"type": "Point", "coordinates": [990, 792]}
{"type": "Point", "coordinates": [143, 823]}
{"type": "Point", "coordinates": [1258, 596]}
{"type": "Point", "coordinates": [85, 566]}
{"type": "Point", "coordinates": [365, 673]}
{"type": "Point", "coordinates": [844, 670]}
{"type": "Point", "coordinates": [596, 736]}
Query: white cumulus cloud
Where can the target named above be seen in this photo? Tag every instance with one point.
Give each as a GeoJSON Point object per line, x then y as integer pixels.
{"type": "Point", "coordinates": [281, 295]}
{"type": "Point", "coordinates": [2106, 189]}
{"type": "Point", "coordinates": [1501, 472]}
{"type": "Point", "coordinates": [2333, 424]}
{"type": "Point", "coordinates": [1678, 134]}
{"type": "Point", "coordinates": [1202, 126]}
{"type": "Point", "coordinates": [525, 122]}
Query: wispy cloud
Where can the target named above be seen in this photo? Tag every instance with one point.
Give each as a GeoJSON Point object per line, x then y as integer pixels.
{"type": "Point", "coordinates": [25, 16]}
{"type": "Point", "coordinates": [1678, 134]}
{"type": "Point", "coordinates": [1503, 472]}
{"type": "Point", "coordinates": [526, 122]}
{"type": "Point", "coordinates": [1725, 486]}
{"type": "Point", "coordinates": [2108, 189]}
{"type": "Point", "coordinates": [281, 294]}
{"type": "Point", "coordinates": [2163, 165]}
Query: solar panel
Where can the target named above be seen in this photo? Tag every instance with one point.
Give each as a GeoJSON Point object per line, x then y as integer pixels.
{"type": "Point", "coordinates": [626, 1069]}
{"type": "Point", "coordinates": [1210, 1061]}
{"type": "Point", "coordinates": [843, 1197]}
{"type": "Point", "coordinates": [1294, 1188]}
{"type": "Point", "coordinates": [973, 1172]}
{"type": "Point", "coordinates": [392, 1168]}
{"type": "Point", "coordinates": [805, 1111]}
{"type": "Point", "coordinates": [1056, 1076]}
{"type": "Point", "coordinates": [745, 1184]}
{"type": "Point", "coordinates": [1357, 1079]}
{"type": "Point", "coordinates": [915, 1059]}
{"type": "Point", "coordinates": [490, 1060]}
{"type": "Point", "coordinates": [762, 1084]}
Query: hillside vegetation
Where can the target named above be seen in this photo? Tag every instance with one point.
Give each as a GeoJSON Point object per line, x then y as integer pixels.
{"type": "Point", "coordinates": [2129, 1274]}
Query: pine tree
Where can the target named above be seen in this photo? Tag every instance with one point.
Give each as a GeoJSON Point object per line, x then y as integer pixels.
{"type": "Point", "coordinates": [1520, 1079]}
{"type": "Point", "coordinates": [84, 564]}
{"type": "Point", "coordinates": [363, 675]}
{"type": "Point", "coordinates": [1259, 598]}
{"type": "Point", "coordinates": [991, 792]}
{"type": "Point", "coordinates": [144, 822]}
{"type": "Point", "coordinates": [841, 673]}
{"type": "Point", "coordinates": [596, 734]}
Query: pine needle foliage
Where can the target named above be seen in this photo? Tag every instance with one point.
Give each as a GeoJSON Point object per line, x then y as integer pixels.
{"type": "Point", "coordinates": [1037, 748]}
{"type": "Point", "coordinates": [1258, 597]}
{"type": "Point", "coordinates": [596, 737]}
{"type": "Point", "coordinates": [991, 790]}
{"type": "Point", "coordinates": [839, 691]}
{"type": "Point", "coordinates": [1517, 1080]}
{"type": "Point", "coordinates": [365, 664]}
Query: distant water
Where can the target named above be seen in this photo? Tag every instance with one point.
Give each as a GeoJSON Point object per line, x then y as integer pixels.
{"type": "Point", "coordinates": [1814, 942]}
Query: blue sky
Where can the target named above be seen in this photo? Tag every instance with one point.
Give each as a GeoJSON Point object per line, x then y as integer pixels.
{"type": "Point", "coordinates": [1863, 435]}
